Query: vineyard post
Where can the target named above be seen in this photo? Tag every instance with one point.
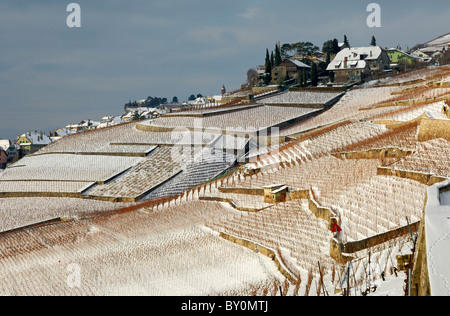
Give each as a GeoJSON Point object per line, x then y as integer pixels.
{"type": "Point", "coordinates": [325, 292]}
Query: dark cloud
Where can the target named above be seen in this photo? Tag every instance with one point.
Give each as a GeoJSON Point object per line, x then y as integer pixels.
{"type": "Point", "coordinates": [51, 75]}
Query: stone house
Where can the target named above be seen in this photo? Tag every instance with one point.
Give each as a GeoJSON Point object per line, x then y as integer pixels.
{"type": "Point", "coordinates": [359, 64]}
{"type": "Point", "coordinates": [289, 68]}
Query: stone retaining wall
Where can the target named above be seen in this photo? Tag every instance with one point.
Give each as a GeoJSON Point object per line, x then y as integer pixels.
{"type": "Point", "coordinates": [359, 245]}
{"type": "Point", "coordinates": [374, 154]}
{"type": "Point", "coordinates": [232, 203]}
{"type": "Point", "coordinates": [423, 178]}
{"type": "Point", "coordinates": [431, 129]}
{"type": "Point", "coordinates": [246, 191]}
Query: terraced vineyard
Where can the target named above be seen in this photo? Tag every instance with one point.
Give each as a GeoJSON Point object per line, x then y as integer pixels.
{"type": "Point", "coordinates": [196, 222]}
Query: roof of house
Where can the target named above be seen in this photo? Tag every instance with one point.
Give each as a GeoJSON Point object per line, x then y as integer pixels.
{"type": "Point", "coordinates": [5, 143]}
{"type": "Point", "coordinates": [356, 57]}
{"type": "Point", "coordinates": [297, 63]}
{"type": "Point", "coordinates": [36, 139]}
{"type": "Point", "coordinates": [273, 186]}
{"type": "Point", "coordinates": [403, 52]}
{"type": "Point", "coordinates": [439, 41]}
{"type": "Point", "coordinates": [283, 188]}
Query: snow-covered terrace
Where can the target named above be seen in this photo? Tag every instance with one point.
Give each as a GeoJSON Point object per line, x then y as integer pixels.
{"type": "Point", "coordinates": [301, 97]}
{"type": "Point", "coordinates": [245, 121]}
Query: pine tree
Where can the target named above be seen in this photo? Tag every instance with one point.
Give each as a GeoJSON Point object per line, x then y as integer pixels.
{"type": "Point", "coordinates": [346, 41]}
{"type": "Point", "coordinates": [373, 42]}
{"type": "Point", "coordinates": [135, 116]}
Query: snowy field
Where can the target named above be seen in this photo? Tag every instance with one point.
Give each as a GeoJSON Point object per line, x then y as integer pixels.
{"type": "Point", "coordinates": [163, 253]}
{"type": "Point", "coordinates": [300, 97]}
{"type": "Point", "coordinates": [124, 138]}
{"type": "Point", "coordinates": [267, 116]}
{"type": "Point", "coordinates": [379, 205]}
{"type": "Point", "coordinates": [421, 74]}
{"type": "Point", "coordinates": [69, 167]}
{"type": "Point", "coordinates": [431, 157]}
{"type": "Point", "coordinates": [175, 248]}
{"type": "Point", "coordinates": [433, 110]}
{"type": "Point", "coordinates": [44, 186]}
{"type": "Point", "coordinates": [19, 212]}
{"type": "Point", "coordinates": [445, 198]}
{"type": "Point", "coordinates": [347, 108]}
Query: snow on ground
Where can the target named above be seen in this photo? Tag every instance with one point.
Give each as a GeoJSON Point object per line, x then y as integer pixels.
{"type": "Point", "coordinates": [19, 212]}
{"type": "Point", "coordinates": [430, 157]}
{"type": "Point", "coordinates": [300, 97]}
{"type": "Point", "coordinates": [89, 168]}
{"type": "Point", "coordinates": [433, 110]}
{"type": "Point", "coordinates": [445, 198]}
{"type": "Point", "coordinates": [166, 252]}
{"type": "Point", "coordinates": [347, 108]}
{"type": "Point", "coordinates": [249, 120]}
{"type": "Point", "coordinates": [437, 228]}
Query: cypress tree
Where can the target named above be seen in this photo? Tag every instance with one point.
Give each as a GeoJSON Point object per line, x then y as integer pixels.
{"type": "Point", "coordinates": [268, 68]}
{"type": "Point", "coordinates": [373, 42]}
{"type": "Point", "coordinates": [314, 75]}
{"type": "Point", "coordinates": [335, 46]}
{"type": "Point", "coordinates": [267, 59]}
{"type": "Point", "coordinates": [277, 55]}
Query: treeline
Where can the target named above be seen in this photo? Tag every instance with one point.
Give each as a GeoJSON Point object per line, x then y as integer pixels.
{"type": "Point", "coordinates": [149, 102]}
{"type": "Point", "coordinates": [153, 102]}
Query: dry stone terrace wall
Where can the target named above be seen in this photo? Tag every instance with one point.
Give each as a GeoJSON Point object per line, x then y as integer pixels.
{"type": "Point", "coordinates": [429, 164]}
{"type": "Point", "coordinates": [430, 129]}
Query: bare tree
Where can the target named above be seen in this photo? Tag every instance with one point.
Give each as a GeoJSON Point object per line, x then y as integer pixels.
{"type": "Point", "coordinates": [252, 77]}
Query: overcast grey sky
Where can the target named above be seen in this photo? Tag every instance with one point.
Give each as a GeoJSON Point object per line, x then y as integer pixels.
{"type": "Point", "coordinates": [52, 75]}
